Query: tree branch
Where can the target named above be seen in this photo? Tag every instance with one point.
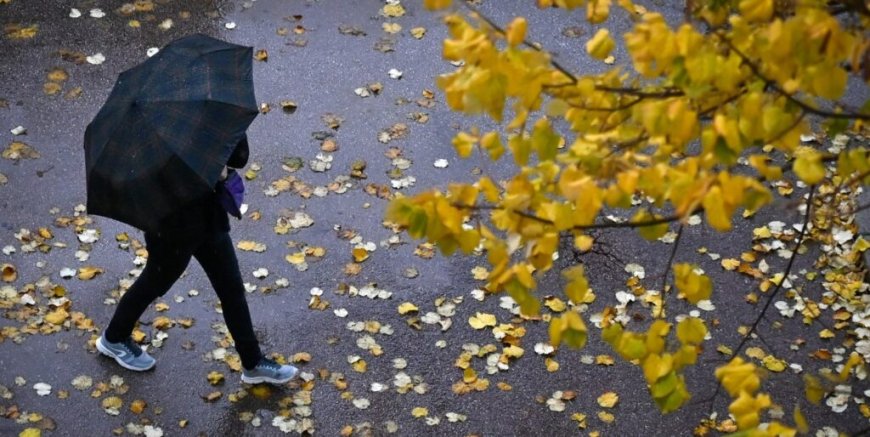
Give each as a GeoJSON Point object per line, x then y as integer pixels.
{"type": "Point", "coordinates": [526, 43]}
{"type": "Point", "coordinates": [668, 92]}
{"type": "Point", "coordinates": [791, 97]}
{"type": "Point", "coordinates": [778, 287]}
{"type": "Point", "coordinates": [614, 225]}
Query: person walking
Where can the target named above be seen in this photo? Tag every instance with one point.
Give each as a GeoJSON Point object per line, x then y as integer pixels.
{"type": "Point", "coordinates": [157, 157]}
{"type": "Point", "coordinates": [201, 231]}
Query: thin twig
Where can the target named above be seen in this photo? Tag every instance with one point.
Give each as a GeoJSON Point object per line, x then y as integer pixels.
{"type": "Point", "coordinates": [778, 287]}
{"type": "Point", "coordinates": [670, 92]}
{"type": "Point", "coordinates": [526, 43]}
{"type": "Point", "coordinates": [775, 86]}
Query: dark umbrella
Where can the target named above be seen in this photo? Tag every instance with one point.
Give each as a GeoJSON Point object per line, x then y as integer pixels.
{"type": "Point", "coordinates": [167, 129]}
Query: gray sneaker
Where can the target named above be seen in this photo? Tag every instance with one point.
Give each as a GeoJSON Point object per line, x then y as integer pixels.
{"type": "Point", "coordinates": [269, 371]}
{"type": "Point", "coordinates": [127, 353]}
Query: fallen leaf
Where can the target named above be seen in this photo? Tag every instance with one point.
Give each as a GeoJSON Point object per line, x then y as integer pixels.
{"type": "Point", "coordinates": [251, 246]}
{"type": "Point", "coordinates": [393, 10]}
{"type": "Point", "coordinates": [8, 273]}
{"type": "Point", "coordinates": [89, 272]}
{"type": "Point", "coordinates": [57, 317]}
{"type": "Point", "coordinates": [407, 307]}
{"type": "Point", "coordinates": [112, 405]}
{"type": "Point", "coordinates": [608, 399]}
{"type": "Point", "coordinates": [138, 406]}
{"type": "Point", "coordinates": [418, 32]}
{"type": "Point", "coordinates": [482, 320]}
{"type": "Point", "coordinates": [214, 377]}
{"type": "Point", "coordinates": [17, 31]}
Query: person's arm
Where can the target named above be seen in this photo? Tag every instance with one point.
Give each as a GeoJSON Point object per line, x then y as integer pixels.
{"type": "Point", "coordinates": [239, 157]}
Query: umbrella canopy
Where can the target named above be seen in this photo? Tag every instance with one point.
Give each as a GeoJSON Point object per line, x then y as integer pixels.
{"type": "Point", "coordinates": [167, 129]}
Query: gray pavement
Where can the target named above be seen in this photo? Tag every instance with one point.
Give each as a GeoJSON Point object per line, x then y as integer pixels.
{"type": "Point", "coordinates": [318, 67]}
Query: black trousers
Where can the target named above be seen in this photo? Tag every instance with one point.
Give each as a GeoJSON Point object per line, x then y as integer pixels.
{"type": "Point", "coordinates": [167, 259]}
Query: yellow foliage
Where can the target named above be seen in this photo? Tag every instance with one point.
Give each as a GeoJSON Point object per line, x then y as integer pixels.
{"type": "Point", "coordinates": [695, 287]}
{"type": "Point", "coordinates": [568, 328]}
{"type": "Point", "coordinates": [699, 119]}
{"type": "Point", "coordinates": [600, 45]}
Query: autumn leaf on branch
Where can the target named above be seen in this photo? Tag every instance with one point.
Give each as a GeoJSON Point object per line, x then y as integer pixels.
{"type": "Point", "coordinates": [704, 117]}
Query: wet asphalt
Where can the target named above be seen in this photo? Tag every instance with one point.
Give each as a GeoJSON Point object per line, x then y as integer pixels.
{"type": "Point", "coordinates": [318, 67]}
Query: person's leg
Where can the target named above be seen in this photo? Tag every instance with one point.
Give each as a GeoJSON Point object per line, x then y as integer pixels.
{"type": "Point", "coordinates": [218, 258]}
{"type": "Point", "coordinates": [167, 260]}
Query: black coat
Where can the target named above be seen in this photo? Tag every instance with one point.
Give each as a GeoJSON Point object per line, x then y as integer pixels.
{"type": "Point", "coordinates": [204, 215]}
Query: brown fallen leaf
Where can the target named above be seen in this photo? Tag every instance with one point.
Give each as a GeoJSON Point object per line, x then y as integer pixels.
{"type": "Point", "coordinates": [138, 406]}
{"type": "Point", "coordinates": [261, 55]}
{"type": "Point", "coordinates": [8, 273]}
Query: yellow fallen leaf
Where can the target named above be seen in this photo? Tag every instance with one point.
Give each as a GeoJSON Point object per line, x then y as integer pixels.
{"type": "Point", "coordinates": [608, 399]}
{"type": "Point", "coordinates": [482, 320]}
{"type": "Point", "coordinates": [606, 417]}
{"type": "Point", "coordinates": [773, 364]}
{"type": "Point", "coordinates": [730, 264]}
{"type": "Point", "coordinates": [552, 365]}
{"type": "Point", "coordinates": [57, 317]}
{"type": "Point", "coordinates": [30, 432]}
{"type": "Point", "coordinates": [480, 273]}
{"type": "Point", "coordinates": [580, 418]}
{"type": "Point", "coordinates": [300, 357]}
{"type": "Point", "coordinates": [296, 258]}
{"type": "Point", "coordinates": [21, 32]}
{"type": "Point", "coordinates": [469, 375]}
{"type": "Point", "coordinates": [89, 272]}
{"type": "Point", "coordinates": [407, 307]}
{"type": "Point", "coordinates": [392, 27]}
{"type": "Point", "coordinates": [261, 391]}
{"type": "Point", "coordinates": [604, 360]}
{"type": "Point", "coordinates": [360, 254]}
{"type": "Point", "coordinates": [112, 402]}
{"type": "Point", "coordinates": [393, 10]}
{"type": "Point", "coordinates": [503, 386]}
{"type": "Point", "coordinates": [162, 323]}
{"type": "Point", "coordinates": [360, 366]}
{"type": "Point", "coordinates": [513, 351]}
{"type": "Point", "coordinates": [555, 304]}
{"type": "Point", "coordinates": [419, 412]}
{"type": "Point", "coordinates": [214, 377]}
{"type": "Point", "coordinates": [418, 32]}
{"type": "Point", "coordinates": [826, 333]}
{"type": "Point", "coordinates": [251, 246]}
{"type": "Point", "coordinates": [138, 335]}
{"type": "Point", "coordinates": [755, 352]}
{"type": "Point", "coordinates": [161, 307]}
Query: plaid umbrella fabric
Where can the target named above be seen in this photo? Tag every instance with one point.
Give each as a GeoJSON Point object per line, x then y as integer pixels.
{"type": "Point", "coordinates": [167, 129]}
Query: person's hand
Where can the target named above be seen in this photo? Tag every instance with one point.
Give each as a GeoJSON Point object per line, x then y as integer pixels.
{"type": "Point", "coordinates": [224, 173]}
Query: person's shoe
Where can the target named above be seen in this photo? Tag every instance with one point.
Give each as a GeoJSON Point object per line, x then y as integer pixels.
{"type": "Point", "coordinates": [269, 371]}
{"type": "Point", "coordinates": [127, 353]}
